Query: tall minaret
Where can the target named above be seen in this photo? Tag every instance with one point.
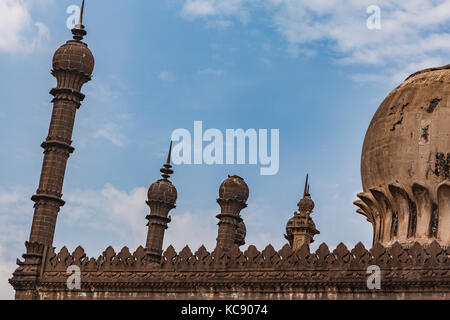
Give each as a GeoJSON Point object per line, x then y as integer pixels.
{"type": "Point", "coordinates": [73, 64]}
{"type": "Point", "coordinates": [301, 229]}
{"type": "Point", "coordinates": [162, 196]}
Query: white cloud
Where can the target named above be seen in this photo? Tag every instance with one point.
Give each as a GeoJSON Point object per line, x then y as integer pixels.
{"type": "Point", "coordinates": [6, 270]}
{"type": "Point", "coordinates": [202, 8]}
{"type": "Point", "coordinates": [15, 218]}
{"type": "Point", "coordinates": [18, 31]}
{"type": "Point", "coordinates": [413, 33]}
{"type": "Point", "coordinates": [217, 11]}
{"type": "Point", "coordinates": [194, 230]}
{"type": "Point", "coordinates": [113, 133]}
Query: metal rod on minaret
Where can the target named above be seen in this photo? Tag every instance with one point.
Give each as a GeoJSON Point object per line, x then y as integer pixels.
{"type": "Point", "coordinates": [306, 191]}
{"type": "Point", "coordinates": [79, 31]}
{"type": "Point", "coordinates": [170, 153]}
{"type": "Point", "coordinates": [167, 168]}
{"type": "Point", "coordinates": [81, 13]}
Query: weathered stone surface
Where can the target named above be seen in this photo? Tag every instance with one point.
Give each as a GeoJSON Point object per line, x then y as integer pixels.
{"type": "Point", "coordinates": [406, 159]}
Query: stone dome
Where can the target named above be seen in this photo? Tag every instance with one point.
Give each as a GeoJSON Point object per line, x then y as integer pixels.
{"type": "Point", "coordinates": [306, 204]}
{"type": "Point", "coordinates": [234, 188]}
{"type": "Point", "coordinates": [74, 55]}
{"type": "Point", "coordinates": [162, 191]}
{"type": "Point", "coordinates": [405, 160]}
{"type": "Point", "coordinates": [408, 133]}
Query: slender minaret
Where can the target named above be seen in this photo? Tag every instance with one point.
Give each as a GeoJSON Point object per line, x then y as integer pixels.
{"type": "Point", "coordinates": [301, 229]}
{"type": "Point", "coordinates": [73, 64]}
{"type": "Point", "coordinates": [233, 194]}
{"type": "Point", "coordinates": [162, 196]}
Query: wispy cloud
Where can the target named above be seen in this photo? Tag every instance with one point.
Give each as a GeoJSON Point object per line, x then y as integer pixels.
{"type": "Point", "coordinates": [217, 13]}
{"type": "Point", "coordinates": [112, 132]}
{"type": "Point", "coordinates": [6, 270]}
{"type": "Point", "coordinates": [413, 33]}
{"type": "Point", "coordinates": [15, 218]}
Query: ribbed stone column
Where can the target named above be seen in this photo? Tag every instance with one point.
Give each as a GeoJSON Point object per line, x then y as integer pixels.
{"type": "Point", "coordinates": [73, 64]}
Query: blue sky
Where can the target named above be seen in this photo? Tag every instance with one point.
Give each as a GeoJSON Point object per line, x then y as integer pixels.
{"type": "Point", "coordinates": [311, 69]}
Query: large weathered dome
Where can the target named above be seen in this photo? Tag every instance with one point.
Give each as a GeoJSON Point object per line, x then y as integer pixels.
{"type": "Point", "coordinates": [405, 161]}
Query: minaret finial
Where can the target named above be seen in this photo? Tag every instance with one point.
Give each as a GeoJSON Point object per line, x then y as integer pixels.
{"type": "Point", "coordinates": [81, 13]}
{"type": "Point", "coordinates": [167, 168]}
{"type": "Point", "coordinates": [78, 31]}
{"type": "Point", "coordinates": [306, 191]}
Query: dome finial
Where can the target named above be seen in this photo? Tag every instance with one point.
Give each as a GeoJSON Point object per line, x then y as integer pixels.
{"type": "Point", "coordinates": [167, 168]}
{"type": "Point", "coordinates": [78, 31]}
{"type": "Point", "coordinates": [306, 204]}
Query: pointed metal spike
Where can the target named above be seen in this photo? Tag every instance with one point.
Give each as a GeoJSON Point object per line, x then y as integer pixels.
{"type": "Point", "coordinates": [305, 192]}
{"type": "Point", "coordinates": [170, 153]}
{"type": "Point", "coordinates": [81, 13]}
{"type": "Point", "coordinates": [78, 31]}
{"type": "Point", "coordinates": [166, 169]}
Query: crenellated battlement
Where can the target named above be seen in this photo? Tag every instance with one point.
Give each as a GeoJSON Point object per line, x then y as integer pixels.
{"type": "Point", "coordinates": [359, 258]}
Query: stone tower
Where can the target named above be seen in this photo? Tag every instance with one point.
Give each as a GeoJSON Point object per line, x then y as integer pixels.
{"type": "Point", "coordinates": [162, 196]}
{"type": "Point", "coordinates": [300, 229]}
{"type": "Point", "coordinates": [405, 162]}
{"type": "Point", "coordinates": [233, 194]}
{"type": "Point", "coordinates": [73, 64]}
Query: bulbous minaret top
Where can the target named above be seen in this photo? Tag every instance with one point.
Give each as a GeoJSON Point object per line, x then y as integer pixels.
{"type": "Point", "coordinates": [234, 188]}
{"type": "Point", "coordinates": [163, 190]}
{"type": "Point", "coordinates": [306, 204]}
{"type": "Point", "coordinates": [75, 55]}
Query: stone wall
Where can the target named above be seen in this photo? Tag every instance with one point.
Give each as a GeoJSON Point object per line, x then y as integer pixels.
{"type": "Point", "coordinates": [406, 273]}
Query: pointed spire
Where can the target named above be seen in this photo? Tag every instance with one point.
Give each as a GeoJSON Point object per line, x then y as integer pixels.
{"type": "Point", "coordinates": [81, 14]}
{"type": "Point", "coordinates": [167, 168]}
{"type": "Point", "coordinates": [78, 31]}
{"type": "Point", "coordinates": [306, 192]}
